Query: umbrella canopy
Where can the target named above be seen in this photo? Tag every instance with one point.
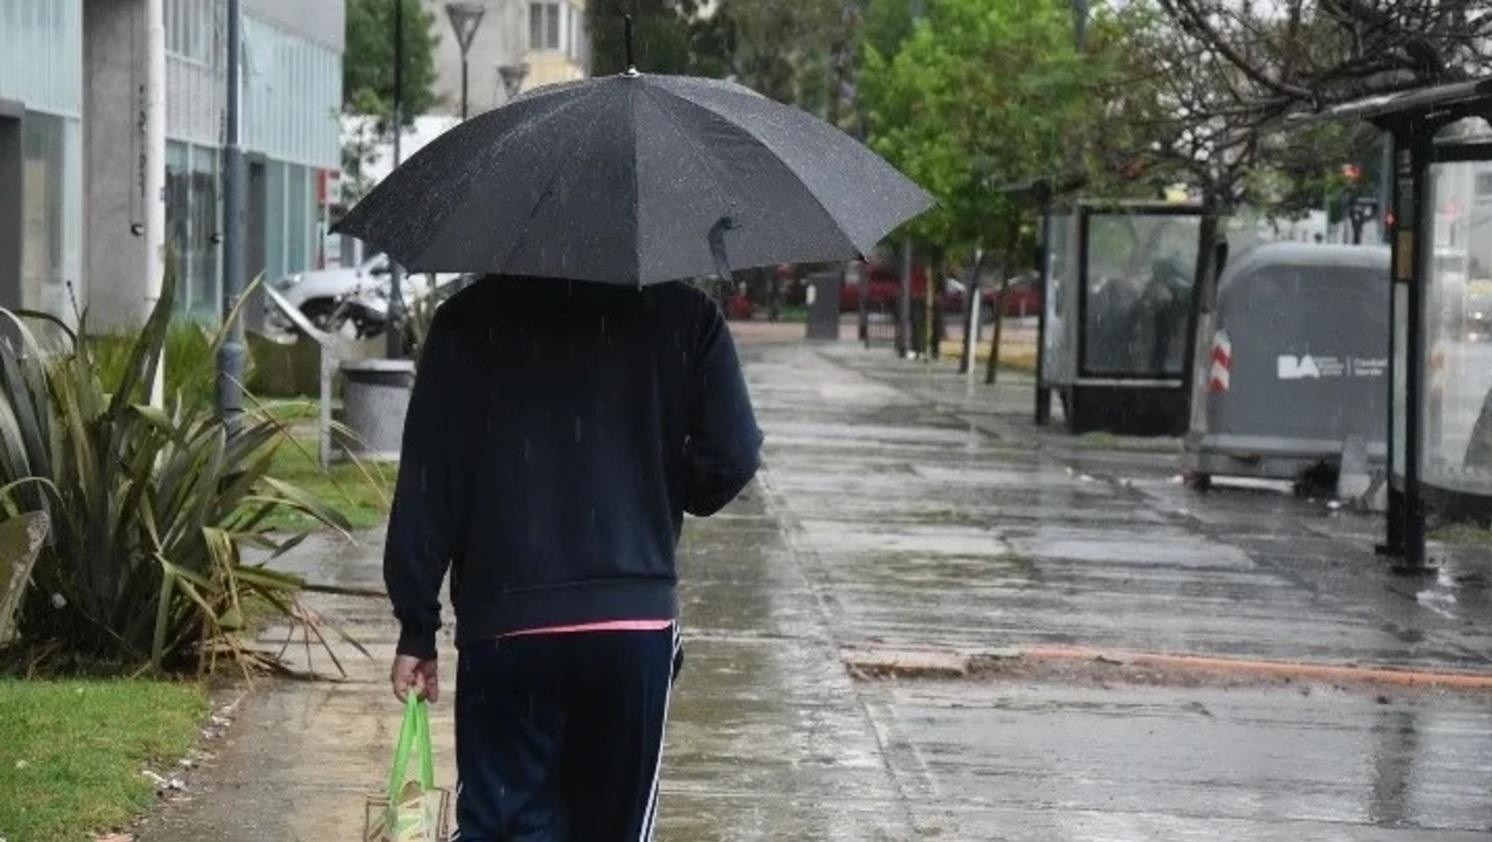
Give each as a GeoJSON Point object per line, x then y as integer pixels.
{"type": "Point", "coordinates": [635, 179]}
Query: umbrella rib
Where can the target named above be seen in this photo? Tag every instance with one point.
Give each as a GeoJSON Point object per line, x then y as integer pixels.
{"type": "Point", "coordinates": [704, 159]}
{"type": "Point", "coordinates": [750, 135]}
{"type": "Point", "coordinates": [560, 165]}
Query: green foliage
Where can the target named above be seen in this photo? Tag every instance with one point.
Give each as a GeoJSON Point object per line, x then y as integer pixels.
{"type": "Point", "coordinates": [887, 24]}
{"type": "Point", "coordinates": [151, 508]}
{"type": "Point", "coordinates": [368, 60]}
{"type": "Point", "coordinates": [368, 81]}
{"type": "Point", "coordinates": [191, 362]}
{"type": "Point", "coordinates": [359, 492]}
{"type": "Point", "coordinates": [1301, 169]}
{"type": "Point", "coordinates": [664, 40]}
{"type": "Point", "coordinates": [782, 48]}
{"type": "Point", "coordinates": [71, 752]}
{"type": "Point", "coordinates": [978, 95]}
{"type": "Point", "coordinates": [785, 48]}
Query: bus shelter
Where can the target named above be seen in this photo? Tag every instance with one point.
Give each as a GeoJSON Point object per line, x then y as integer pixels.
{"type": "Point", "coordinates": [1440, 412]}
{"type": "Point", "coordinates": [1118, 279]}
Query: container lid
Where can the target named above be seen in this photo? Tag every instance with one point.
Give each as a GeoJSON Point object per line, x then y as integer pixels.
{"type": "Point", "coordinates": [379, 365]}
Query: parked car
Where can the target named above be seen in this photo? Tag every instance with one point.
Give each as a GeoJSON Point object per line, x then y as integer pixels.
{"type": "Point", "coordinates": [883, 285]}
{"type": "Point", "coordinates": [1022, 298]}
{"type": "Point", "coordinates": [350, 300]}
{"type": "Point", "coordinates": [883, 295]}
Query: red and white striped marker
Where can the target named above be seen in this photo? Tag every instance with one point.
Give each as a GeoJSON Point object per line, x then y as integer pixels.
{"type": "Point", "coordinates": [1221, 375]}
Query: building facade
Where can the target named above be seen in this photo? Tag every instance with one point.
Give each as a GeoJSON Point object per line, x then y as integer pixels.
{"type": "Point", "coordinates": [72, 75]}
{"type": "Point", "coordinates": [519, 41]}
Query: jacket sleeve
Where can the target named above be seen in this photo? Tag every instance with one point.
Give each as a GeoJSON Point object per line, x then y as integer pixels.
{"type": "Point", "coordinates": [722, 451]}
{"type": "Point", "coordinates": [428, 515]}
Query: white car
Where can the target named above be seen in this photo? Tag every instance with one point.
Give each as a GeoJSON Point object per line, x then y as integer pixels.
{"type": "Point", "coordinates": [350, 300]}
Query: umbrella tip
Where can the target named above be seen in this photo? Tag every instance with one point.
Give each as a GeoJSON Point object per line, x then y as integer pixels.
{"type": "Point", "coordinates": [631, 62]}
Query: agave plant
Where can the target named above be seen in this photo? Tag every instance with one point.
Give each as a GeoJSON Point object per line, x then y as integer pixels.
{"type": "Point", "coordinates": [190, 366]}
{"type": "Point", "coordinates": [152, 509]}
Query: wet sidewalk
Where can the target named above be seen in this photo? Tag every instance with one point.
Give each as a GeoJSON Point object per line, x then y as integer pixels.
{"type": "Point", "coordinates": [933, 520]}
{"type": "Point", "coordinates": [897, 513]}
{"type": "Point", "coordinates": [935, 517]}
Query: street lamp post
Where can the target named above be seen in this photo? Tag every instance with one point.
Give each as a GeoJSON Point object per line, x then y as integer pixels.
{"type": "Point", "coordinates": [465, 18]}
{"type": "Point", "coordinates": [394, 333]}
{"type": "Point", "coordinates": [233, 354]}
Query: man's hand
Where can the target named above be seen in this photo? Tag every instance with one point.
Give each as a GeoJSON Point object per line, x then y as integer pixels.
{"type": "Point", "coordinates": [411, 673]}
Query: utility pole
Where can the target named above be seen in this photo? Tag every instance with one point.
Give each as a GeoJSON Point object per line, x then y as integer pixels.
{"type": "Point", "coordinates": [1080, 24]}
{"type": "Point", "coordinates": [394, 333]}
{"type": "Point", "coordinates": [917, 9]}
{"type": "Point", "coordinates": [154, 177]}
{"type": "Point", "coordinates": [1385, 185]}
{"type": "Point", "coordinates": [233, 353]}
{"type": "Point", "coordinates": [905, 311]}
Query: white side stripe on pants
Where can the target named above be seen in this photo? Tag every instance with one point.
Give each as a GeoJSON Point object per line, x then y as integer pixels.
{"type": "Point", "coordinates": [651, 815]}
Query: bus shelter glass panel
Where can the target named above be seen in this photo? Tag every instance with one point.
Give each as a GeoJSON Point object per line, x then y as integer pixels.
{"type": "Point", "coordinates": [1061, 298]}
{"type": "Point", "coordinates": [1456, 451]}
{"type": "Point", "coordinates": [1141, 270]}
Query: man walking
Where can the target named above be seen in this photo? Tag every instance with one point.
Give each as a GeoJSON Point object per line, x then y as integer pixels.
{"type": "Point", "coordinates": [557, 433]}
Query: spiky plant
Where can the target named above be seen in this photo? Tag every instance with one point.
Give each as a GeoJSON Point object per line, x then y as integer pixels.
{"type": "Point", "coordinates": [152, 508]}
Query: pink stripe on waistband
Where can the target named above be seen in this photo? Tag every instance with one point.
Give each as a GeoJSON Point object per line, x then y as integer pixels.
{"type": "Point", "coordinates": [605, 625]}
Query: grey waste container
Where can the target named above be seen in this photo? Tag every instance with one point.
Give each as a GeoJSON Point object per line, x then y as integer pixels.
{"type": "Point", "coordinates": [1296, 362]}
{"type": "Point", "coordinates": [375, 398]}
{"type": "Point", "coordinates": [823, 305]}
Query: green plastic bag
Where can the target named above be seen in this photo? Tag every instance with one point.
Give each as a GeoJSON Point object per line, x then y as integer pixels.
{"type": "Point", "coordinates": [414, 810]}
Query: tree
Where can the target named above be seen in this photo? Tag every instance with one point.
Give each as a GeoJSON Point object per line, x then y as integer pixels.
{"type": "Point", "coordinates": [669, 36]}
{"type": "Point", "coordinates": [1315, 53]}
{"type": "Point", "coordinates": [977, 95]}
{"type": "Point", "coordinates": [887, 23]}
{"type": "Point", "coordinates": [786, 49]}
{"type": "Point", "coordinates": [1229, 73]}
{"type": "Point", "coordinates": [1176, 111]}
{"type": "Point", "coordinates": [368, 80]}
{"type": "Point", "coordinates": [368, 61]}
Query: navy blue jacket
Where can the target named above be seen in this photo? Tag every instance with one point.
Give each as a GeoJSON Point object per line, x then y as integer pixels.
{"type": "Point", "coordinates": [556, 435]}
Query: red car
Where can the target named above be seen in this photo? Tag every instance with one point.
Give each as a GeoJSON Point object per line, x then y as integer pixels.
{"type": "Point", "coordinates": [884, 287]}
{"type": "Point", "coordinates": [1022, 298]}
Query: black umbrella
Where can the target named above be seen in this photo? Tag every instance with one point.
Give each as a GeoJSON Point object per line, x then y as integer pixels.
{"type": "Point", "coordinates": [635, 179]}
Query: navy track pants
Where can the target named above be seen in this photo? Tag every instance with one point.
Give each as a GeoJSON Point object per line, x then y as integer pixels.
{"type": "Point", "coordinates": [559, 737]}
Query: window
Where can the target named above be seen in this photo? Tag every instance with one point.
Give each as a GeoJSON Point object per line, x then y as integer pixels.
{"type": "Point", "coordinates": [191, 222]}
{"type": "Point", "coordinates": [274, 216]}
{"type": "Point", "coordinates": [544, 26]}
{"type": "Point", "coordinates": [189, 28]}
{"type": "Point", "coordinates": [43, 239]}
{"type": "Point", "coordinates": [1140, 275]}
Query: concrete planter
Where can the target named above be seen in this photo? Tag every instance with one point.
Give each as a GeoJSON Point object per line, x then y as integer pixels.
{"type": "Point", "coordinates": [375, 398]}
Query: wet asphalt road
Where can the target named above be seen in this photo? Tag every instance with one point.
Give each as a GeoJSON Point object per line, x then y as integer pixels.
{"type": "Point", "coordinates": [897, 512]}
